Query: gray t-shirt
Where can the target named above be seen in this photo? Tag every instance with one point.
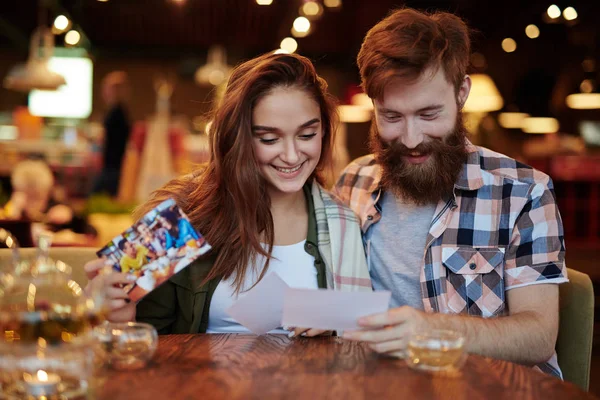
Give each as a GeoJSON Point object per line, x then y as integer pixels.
{"type": "Point", "coordinates": [396, 248]}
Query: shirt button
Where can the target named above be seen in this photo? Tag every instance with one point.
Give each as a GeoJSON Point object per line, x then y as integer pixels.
{"type": "Point", "coordinates": [370, 217]}
{"type": "Point", "coordinates": [473, 266]}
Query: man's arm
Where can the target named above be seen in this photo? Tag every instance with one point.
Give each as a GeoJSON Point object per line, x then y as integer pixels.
{"type": "Point", "coordinates": [526, 336]}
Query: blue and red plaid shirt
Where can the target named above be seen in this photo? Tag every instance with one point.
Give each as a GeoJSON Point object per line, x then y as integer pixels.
{"type": "Point", "coordinates": [500, 230]}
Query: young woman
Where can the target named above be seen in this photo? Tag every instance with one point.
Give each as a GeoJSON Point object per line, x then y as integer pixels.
{"type": "Point", "coordinates": [258, 202]}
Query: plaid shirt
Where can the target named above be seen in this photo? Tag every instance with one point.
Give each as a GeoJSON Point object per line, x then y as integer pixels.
{"type": "Point", "coordinates": [500, 230]}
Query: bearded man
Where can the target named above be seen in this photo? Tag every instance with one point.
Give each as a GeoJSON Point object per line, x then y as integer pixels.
{"type": "Point", "coordinates": [466, 239]}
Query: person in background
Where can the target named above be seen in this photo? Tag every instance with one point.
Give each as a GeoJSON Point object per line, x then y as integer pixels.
{"type": "Point", "coordinates": [465, 238]}
{"type": "Point", "coordinates": [116, 132]}
{"type": "Point", "coordinates": [32, 198]}
{"type": "Point", "coordinates": [257, 202]}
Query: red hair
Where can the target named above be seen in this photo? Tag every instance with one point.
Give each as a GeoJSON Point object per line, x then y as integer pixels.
{"type": "Point", "coordinates": [226, 199]}
{"type": "Point", "coordinates": [407, 42]}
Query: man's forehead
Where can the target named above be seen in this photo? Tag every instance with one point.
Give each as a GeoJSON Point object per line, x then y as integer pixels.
{"type": "Point", "coordinates": [426, 91]}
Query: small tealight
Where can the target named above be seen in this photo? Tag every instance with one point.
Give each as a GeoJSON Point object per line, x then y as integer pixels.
{"type": "Point", "coordinates": [41, 384]}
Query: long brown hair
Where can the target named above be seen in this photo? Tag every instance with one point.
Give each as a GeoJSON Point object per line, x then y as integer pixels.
{"type": "Point", "coordinates": [226, 199]}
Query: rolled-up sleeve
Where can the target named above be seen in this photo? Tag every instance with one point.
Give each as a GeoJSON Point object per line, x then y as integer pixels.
{"type": "Point", "coordinates": [536, 253]}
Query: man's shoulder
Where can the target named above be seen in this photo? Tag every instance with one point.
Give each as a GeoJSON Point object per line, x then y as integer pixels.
{"type": "Point", "coordinates": [512, 171]}
{"type": "Point", "coordinates": [361, 176]}
{"type": "Point", "coordinates": [361, 163]}
{"type": "Point", "coordinates": [364, 169]}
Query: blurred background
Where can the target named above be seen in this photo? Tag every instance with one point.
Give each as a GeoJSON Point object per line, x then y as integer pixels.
{"type": "Point", "coordinates": [111, 97]}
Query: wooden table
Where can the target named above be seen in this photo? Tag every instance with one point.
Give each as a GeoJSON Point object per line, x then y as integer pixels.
{"type": "Point", "coordinates": [273, 366]}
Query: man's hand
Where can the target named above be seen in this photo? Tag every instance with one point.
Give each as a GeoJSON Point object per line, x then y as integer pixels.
{"type": "Point", "coordinates": [389, 332]}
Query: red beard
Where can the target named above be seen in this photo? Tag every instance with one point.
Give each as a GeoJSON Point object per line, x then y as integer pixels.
{"type": "Point", "coordinates": [430, 181]}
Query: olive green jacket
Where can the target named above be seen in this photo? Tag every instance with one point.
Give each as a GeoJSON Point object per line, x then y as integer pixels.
{"type": "Point", "coordinates": [182, 304]}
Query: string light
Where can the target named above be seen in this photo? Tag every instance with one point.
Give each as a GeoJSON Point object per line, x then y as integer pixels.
{"type": "Point", "coordinates": [570, 14]}
{"type": "Point", "coordinates": [332, 3]}
{"type": "Point", "coordinates": [301, 24]}
{"type": "Point", "coordinates": [532, 31]}
{"type": "Point", "coordinates": [509, 45]}
{"type": "Point", "coordinates": [311, 9]}
{"type": "Point", "coordinates": [289, 45]}
{"type": "Point", "coordinates": [553, 11]}
{"type": "Point", "coordinates": [72, 38]}
{"type": "Point", "coordinates": [61, 23]}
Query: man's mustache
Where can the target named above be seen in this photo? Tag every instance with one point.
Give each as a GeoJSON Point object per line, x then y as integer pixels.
{"type": "Point", "coordinates": [399, 149]}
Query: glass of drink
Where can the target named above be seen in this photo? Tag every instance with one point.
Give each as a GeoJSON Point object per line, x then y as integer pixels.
{"type": "Point", "coordinates": [436, 350]}
{"type": "Point", "coordinates": [127, 345]}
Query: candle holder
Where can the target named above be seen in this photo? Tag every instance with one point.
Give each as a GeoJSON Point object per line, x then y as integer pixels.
{"type": "Point", "coordinates": [47, 349]}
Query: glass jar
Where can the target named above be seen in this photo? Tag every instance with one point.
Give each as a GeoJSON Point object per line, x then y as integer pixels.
{"type": "Point", "coordinates": [47, 348]}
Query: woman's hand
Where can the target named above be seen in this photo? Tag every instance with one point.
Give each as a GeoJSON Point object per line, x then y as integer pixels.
{"type": "Point", "coordinates": [109, 286]}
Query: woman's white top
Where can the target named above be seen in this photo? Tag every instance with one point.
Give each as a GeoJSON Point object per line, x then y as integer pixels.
{"type": "Point", "coordinates": [293, 265]}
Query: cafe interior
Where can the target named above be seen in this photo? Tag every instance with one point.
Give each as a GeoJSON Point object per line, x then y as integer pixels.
{"type": "Point", "coordinates": [151, 71]}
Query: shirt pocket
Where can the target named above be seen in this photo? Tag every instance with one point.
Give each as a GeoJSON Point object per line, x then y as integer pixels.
{"type": "Point", "coordinates": [475, 279]}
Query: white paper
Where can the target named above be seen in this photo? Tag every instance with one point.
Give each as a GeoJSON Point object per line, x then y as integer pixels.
{"type": "Point", "coordinates": [260, 308]}
{"type": "Point", "coordinates": [331, 309]}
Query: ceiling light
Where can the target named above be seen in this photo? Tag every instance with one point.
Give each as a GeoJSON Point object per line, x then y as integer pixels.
{"type": "Point", "coordinates": [553, 11]}
{"type": "Point", "coordinates": [362, 99]}
{"type": "Point", "coordinates": [289, 44]}
{"type": "Point", "coordinates": [540, 125]}
{"type": "Point", "coordinates": [484, 95]}
{"type": "Point", "coordinates": [583, 101]}
{"type": "Point", "coordinates": [35, 74]}
{"type": "Point", "coordinates": [301, 24]}
{"type": "Point", "coordinates": [264, 2]}
{"type": "Point", "coordinates": [216, 70]}
{"type": "Point", "coordinates": [512, 120]}
{"type": "Point", "coordinates": [61, 23]}
{"type": "Point", "coordinates": [72, 38]}
{"type": "Point", "coordinates": [509, 45]}
{"type": "Point", "coordinates": [353, 113]}
{"type": "Point", "coordinates": [570, 14]}
{"type": "Point", "coordinates": [532, 31]}
{"type": "Point", "coordinates": [311, 9]}
{"type": "Point", "coordinates": [332, 3]}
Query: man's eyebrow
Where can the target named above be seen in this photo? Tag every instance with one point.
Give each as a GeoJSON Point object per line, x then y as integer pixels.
{"type": "Point", "coordinates": [433, 107]}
